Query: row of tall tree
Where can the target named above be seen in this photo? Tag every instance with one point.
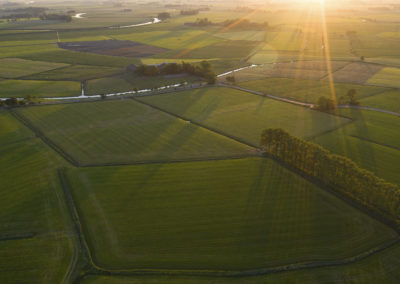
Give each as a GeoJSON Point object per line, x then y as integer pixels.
{"type": "Point", "coordinates": [335, 170]}
{"type": "Point", "coordinates": [204, 69]}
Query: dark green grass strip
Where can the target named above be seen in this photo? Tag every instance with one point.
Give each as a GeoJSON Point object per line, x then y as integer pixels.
{"type": "Point", "coordinates": [17, 237]}
{"type": "Point", "coordinates": [50, 143]}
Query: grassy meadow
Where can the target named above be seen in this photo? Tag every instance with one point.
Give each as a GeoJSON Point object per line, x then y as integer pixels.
{"type": "Point", "coordinates": [372, 141]}
{"type": "Point", "coordinates": [34, 238]}
{"type": "Point", "coordinates": [125, 131]}
{"type": "Point", "coordinates": [244, 115]}
{"type": "Point", "coordinates": [36, 88]}
{"type": "Point", "coordinates": [231, 215]}
{"type": "Point", "coordinates": [174, 183]}
{"type": "Point", "coordinates": [308, 91]}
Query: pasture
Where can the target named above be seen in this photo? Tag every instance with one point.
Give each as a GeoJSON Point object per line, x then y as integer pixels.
{"type": "Point", "coordinates": [125, 131]}
{"type": "Point", "coordinates": [15, 67]}
{"type": "Point", "coordinates": [308, 90]}
{"type": "Point", "coordinates": [372, 141]}
{"type": "Point", "coordinates": [34, 242]}
{"type": "Point", "coordinates": [389, 100]}
{"type": "Point", "coordinates": [76, 73]}
{"type": "Point", "coordinates": [171, 181]}
{"type": "Point", "coordinates": [244, 115]}
{"type": "Point", "coordinates": [216, 215]}
{"type": "Point", "coordinates": [36, 88]}
{"type": "Point", "coordinates": [386, 77]}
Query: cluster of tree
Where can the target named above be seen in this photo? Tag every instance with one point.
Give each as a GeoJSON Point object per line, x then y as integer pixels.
{"type": "Point", "coordinates": [12, 102]}
{"type": "Point", "coordinates": [163, 16]}
{"type": "Point", "coordinates": [325, 104]}
{"type": "Point", "coordinates": [350, 98]}
{"type": "Point", "coordinates": [200, 23]}
{"type": "Point", "coordinates": [24, 13]}
{"type": "Point", "coordinates": [245, 24]}
{"type": "Point", "coordinates": [56, 17]}
{"type": "Point", "coordinates": [189, 12]}
{"type": "Point", "coordinates": [337, 171]}
{"type": "Point", "coordinates": [230, 79]}
{"type": "Point", "coordinates": [236, 23]}
{"type": "Point", "coordinates": [204, 69]}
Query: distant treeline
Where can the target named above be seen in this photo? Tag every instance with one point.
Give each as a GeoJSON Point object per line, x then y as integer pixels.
{"type": "Point", "coordinates": [337, 171]}
{"type": "Point", "coordinates": [204, 70]}
{"type": "Point", "coordinates": [235, 23]}
{"type": "Point", "coordinates": [56, 17]}
{"type": "Point", "coordinates": [35, 12]}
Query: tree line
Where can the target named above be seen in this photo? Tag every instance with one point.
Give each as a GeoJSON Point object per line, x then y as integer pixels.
{"type": "Point", "coordinates": [204, 69]}
{"type": "Point", "coordinates": [335, 170]}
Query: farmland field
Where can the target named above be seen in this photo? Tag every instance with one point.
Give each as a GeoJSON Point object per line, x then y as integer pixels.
{"type": "Point", "coordinates": [125, 132]}
{"type": "Point", "coordinates": [14, 67]}
{"type": "Point", "coordinates": [238, 214]}
{"type": "Point", "coordinates": [372, 141]}
{"type": "Point", "coordinates": [307, 90]}
{"type": "Point", "coordinates": [389, 100]}
{"type": "Point", "coordinates": [244, 115]}
{"type": "Point", "coordinates": [24, 88]}
{"type": "Point", "coordinates": [187, 184]}
{"type": "Point", "coordinates": [386, 77]}
{"type": "Point", "coordinates": [76, 73]}
{"type": "Point", "coordinates": [34, 241]}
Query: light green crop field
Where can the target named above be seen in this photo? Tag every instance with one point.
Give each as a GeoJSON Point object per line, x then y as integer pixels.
{"type": "Point", "coordinates": [125, 131]}
{"type": "Point", "coordinates": [299, 70]}
{"type": "Point", "coordinates": [389, 100]}
{"type": "Point", "coordinates": [224, 49]}
{"type": "Point", "coordinates": [11, 130]}
{"type": "Point", "coordinates": [34, 242]}
{"type": "Point", "coordinates": [15, 67]}
{"type": "Point", "coordinates": [80, 58]}
{"type": "Point", "coordinates": [76, 73]}
{"type": "Point", "coordinates": [218, 215]}
{"type": "Point", "coordinates": [244, 115]}
{"type": "Point", "coordinates": [23, 88]}
{"type": "Point", "coordinates": [372, 141]}
{"type": "Point", "coordinates": [307, 90]}
{"type": "Point", "coordinates": [380, 268]}
{"type": "Point", "coordinates": [386, 77]}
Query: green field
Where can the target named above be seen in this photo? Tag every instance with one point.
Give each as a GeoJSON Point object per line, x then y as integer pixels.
{"type": "Point", "coordinates": [76, 73]}
{"type": "Point", "coordinates": [125, 131]}
{"type": "Point", "coordinates": [15, 67]}
{"type": "Point", "coordinates": [225, 215]}
{"type": "Point", "coordinates": [372, 141]}
{"type": "Point", "coordinates": [170, 187]}
{"type": "Point", "coordinates": [24, 88]}
{"type": "Point", "coordinates": [388, 100]}
{"type": "Point", "coordinates": [11, 130]}
{"type": "Point", "coordinates": [34, 242]}
{"type": "Point", "coordinates": [307, 90]}
{"type": "Point", "coordinates": [244, 115]}
{"type": "Point", "coordinates": [386, 77]}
